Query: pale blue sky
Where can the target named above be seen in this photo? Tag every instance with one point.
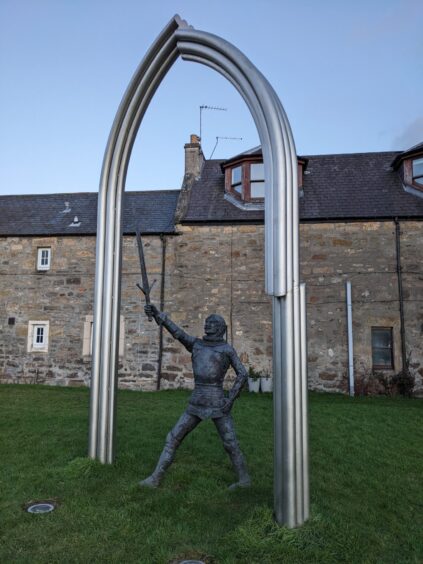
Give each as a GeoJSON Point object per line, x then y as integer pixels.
{"type": "Point", "coordinates": [349, 74]}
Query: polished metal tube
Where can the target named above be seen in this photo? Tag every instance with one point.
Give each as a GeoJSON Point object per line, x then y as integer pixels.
{"type": "Point", "coordinates": [287, 372]}
{"type": "Point", "coordinates": [107, 291]}
{"type": "Point", "coordinates": [229, 71]}
{"type": "Point", "coordinates": [205, 44]}
{"type": "Point", "coordinates": [350, 340]}
{"type": "Point", "coordinates": [279, 475]}
{"type": "Point", "coordinates": [284, 485]}
{"type": "Point", "coordinates": [298, 398]}
{"type": "Point", "coordinates": [304, 403]}
{"type": "Point", "coordinates": [246, 87]}
{"type": "Point", "coordinates": [289, 408]}
{"type": "Point", "coordinates": [137, 110]}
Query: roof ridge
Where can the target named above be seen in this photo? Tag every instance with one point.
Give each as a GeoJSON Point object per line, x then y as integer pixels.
{"type": "Point", "coordinates": [64, 194]}
{"type": "Point", "coordinates": [350, 154]}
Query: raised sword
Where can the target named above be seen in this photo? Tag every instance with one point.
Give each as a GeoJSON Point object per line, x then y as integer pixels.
{"type": "Point", "coordinates": [145, 288]}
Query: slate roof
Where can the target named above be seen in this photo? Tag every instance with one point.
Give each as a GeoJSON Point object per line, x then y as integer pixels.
{"type": "Point", "coordinates": [207, 202]}
{"type": "Point", "coordinates": [358, 185]}
{"type": "Point", "coordinates": [347, 186]}
{"type": "Point", "coordinates": [336, 187]}
{"type": "Point", "coordinates": [48, 214]}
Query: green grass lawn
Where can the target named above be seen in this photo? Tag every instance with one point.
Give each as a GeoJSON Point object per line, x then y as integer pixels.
{"type": "Point", "coordinates": [366, 483]}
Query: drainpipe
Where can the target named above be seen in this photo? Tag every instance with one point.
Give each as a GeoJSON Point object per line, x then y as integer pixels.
{"type": "Point", "coordinates": [350, 340]}
{"type": "Point", "coordinates": [400, 292]}
{"type": "Point", "coordinates": [162, 291]}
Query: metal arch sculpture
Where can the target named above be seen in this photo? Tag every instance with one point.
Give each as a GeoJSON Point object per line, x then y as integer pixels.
{"type": "Point", "coordinates": [282, 279]}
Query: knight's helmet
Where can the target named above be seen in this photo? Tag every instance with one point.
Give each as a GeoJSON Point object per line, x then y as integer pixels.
{"type": "Point", "coordinates": [223, 328]}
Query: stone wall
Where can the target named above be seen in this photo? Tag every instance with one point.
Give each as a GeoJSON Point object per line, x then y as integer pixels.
{"type": "Point", "coordinates": [412, 273]}
{"type": "Point", "coordinates": [63, 296]}
{"type": "Point", "coordinates": [213, 269]}
{"type": "Point", "coordinates": [226, 276]}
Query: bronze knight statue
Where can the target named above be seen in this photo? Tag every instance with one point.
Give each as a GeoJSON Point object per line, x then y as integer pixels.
{"type": "Point", "coordinates": [211, 358]}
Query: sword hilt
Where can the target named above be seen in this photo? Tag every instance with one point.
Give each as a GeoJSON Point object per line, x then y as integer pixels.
{"type": "Point", "coordinates": [147, 299]}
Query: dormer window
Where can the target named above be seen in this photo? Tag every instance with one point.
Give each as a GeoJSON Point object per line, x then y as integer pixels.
{"type": "Point", "coordinates": [413, 172]}
{"type": "Point", "coordinates": [246, 181]}
{"type": "Point", "coordinates": [417, 166]}
{"type": "Point", "coordinates": [256, 180]}
{"type": "Point", "coordinates": [236, 180]}
{"type": "Point", "coordinates": [410, 167]}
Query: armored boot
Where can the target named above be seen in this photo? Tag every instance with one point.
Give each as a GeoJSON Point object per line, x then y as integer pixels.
{"type": "Point", "coordinates": [185, 425]}
{"type": "Point", "coordinates": [240, 467]}
{"type": "Point", "coordinates": [165, 460]}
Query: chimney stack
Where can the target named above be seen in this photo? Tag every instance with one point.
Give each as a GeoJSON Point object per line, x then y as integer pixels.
{"type": "Point", "coordinates": [194, 157]}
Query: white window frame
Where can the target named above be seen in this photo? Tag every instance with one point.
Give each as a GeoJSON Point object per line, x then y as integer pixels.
{"type": "Point", "coordinates": [32, 345]}
{"type": "Point", "coordinates": [40, 258]}
{"type": "Point", "coordinates": [87, 341]}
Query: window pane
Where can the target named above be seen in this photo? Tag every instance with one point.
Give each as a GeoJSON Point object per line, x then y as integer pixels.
{"type": "Point", "coordinates": [257, 189]}
{"type": "Point", "coordinates": [419, 181]}
{"type": "Point", "coordinates": [236, 175]}
{"type": "Point", "coordinates": [418, 167]}
{"type": "Point", "coordinates": [381, 338]}
{"type": "Point", "coordinates": [43, 261]}
{"type": "Point", "coordinates": [238, 189]}
{"type": "Point", "coordinates": [38, 335]}
{"type": "Point", "coordinates": [44, 257]}
{"type": "Point", "coordinates": [382, 357]}
{"type": "Point", "coordinates": [382, 346]}
{"type": "Point", "coordinates": [257, 171]}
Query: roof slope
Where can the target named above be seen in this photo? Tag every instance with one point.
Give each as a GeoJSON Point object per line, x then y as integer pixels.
{"type": "Point", "coordinates": [54, 214]}
{"type": "Point", "coordinates": [348, 186]}
{"type": "Point", "coordinates": [361, 185]}
{"type": "Point", "coordinates": [207, 201]}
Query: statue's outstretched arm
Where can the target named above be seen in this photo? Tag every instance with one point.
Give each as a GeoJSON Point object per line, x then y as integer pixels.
{"type": "Point", "coordinates": [241, 376]}
{"type": "Point", "coordinates": [176, 332]}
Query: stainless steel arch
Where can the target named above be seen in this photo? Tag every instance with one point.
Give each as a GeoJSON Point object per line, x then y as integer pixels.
{"type": "Point", "coordinates": [282, 279]}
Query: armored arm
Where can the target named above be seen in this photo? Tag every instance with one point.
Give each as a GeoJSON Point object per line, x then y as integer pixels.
{"type": "Point", "coordinates": [241, 376]}
{"type": "Point", "coordinates": [176, 332]}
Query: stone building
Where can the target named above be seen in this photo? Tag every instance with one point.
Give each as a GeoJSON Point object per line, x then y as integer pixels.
{"type": "Point", "coordinates": [361, 221]}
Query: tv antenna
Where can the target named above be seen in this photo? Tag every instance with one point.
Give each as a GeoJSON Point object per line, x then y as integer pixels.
{"type": "Point", "coordinates": [210, 108]}
{"type": "Point", "coordinates": [217, 141]}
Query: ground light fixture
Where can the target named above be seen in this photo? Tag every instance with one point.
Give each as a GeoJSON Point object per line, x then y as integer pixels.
{"type": "Point", "coordinates": [40, 506]}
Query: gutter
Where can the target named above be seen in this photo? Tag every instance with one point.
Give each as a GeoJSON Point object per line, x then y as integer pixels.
{"type": "Point", "coordinates": [350, 340]}
{"type": "Point", "coordinates": [162, 295]}
{"type": "Point", "coordinates": [400, 292]}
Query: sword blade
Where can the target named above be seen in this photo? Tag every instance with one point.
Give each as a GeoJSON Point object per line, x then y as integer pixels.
{"type": "Point", "coordinates": [144, 277]}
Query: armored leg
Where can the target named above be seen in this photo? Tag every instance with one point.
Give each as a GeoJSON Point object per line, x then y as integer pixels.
{"type": "Point", "coordinates": [185, 425]}
{"type": "Point", "coordinates": [226, 429]}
